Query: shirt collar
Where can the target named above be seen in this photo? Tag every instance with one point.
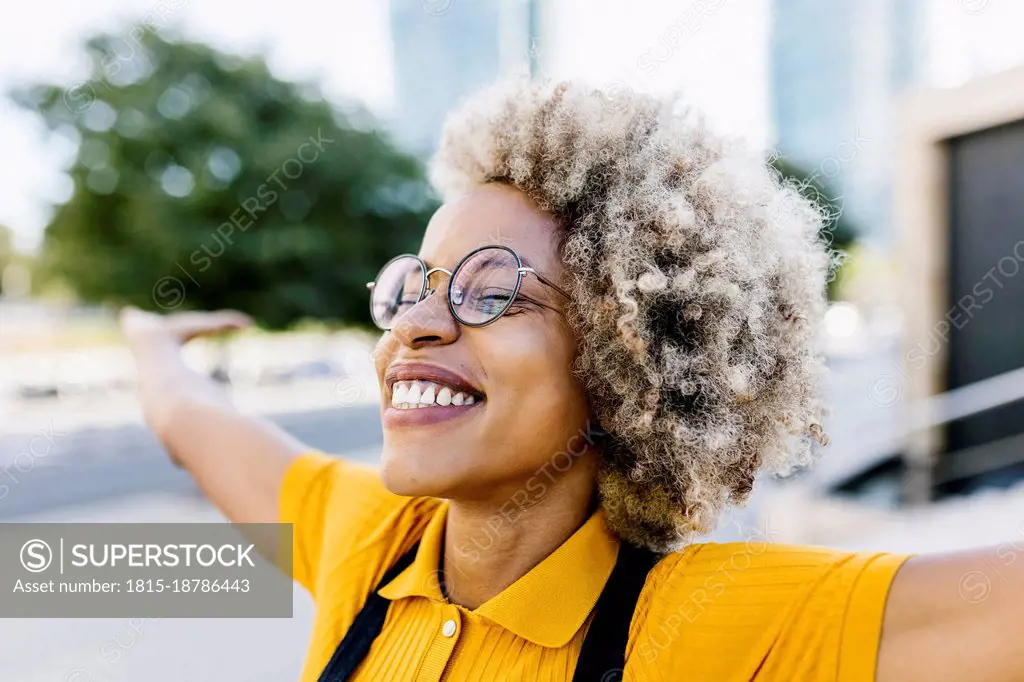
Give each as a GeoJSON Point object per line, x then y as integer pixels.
{"type": "Point", "coordinates": [548, 605]}
{"type": "Point", "coordinates": [421, 578]}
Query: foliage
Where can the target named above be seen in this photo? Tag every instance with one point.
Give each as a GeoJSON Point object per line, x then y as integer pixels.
{"type": "Point", "coordinates": [202, 181]}
{"type": "Point", "coordinates": [6, 252]}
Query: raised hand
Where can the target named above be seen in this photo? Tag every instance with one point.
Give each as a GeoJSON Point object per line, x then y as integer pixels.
{"type": "Point", "coordinates": [180, 327]}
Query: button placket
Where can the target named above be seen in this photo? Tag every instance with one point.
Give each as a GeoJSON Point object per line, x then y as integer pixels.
{"type": "Point", "coordinates": [444, 644]}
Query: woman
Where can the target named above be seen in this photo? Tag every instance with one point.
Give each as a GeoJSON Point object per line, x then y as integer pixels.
{"type": "Point", "coordinates": [607, 333]}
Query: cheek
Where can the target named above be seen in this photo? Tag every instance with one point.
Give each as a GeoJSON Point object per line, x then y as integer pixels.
{"type": "Point", "coordinates": [529, 368]}
{"type": "Point", "coordinates": [383, 352]}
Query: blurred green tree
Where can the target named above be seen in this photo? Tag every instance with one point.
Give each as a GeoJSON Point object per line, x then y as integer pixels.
{"type": "Point", "coordinates": [838, 232]}
{"type": "Point", "coordinates": [202, 181]}
{"type": "Point", "coordinates": [15, 267]}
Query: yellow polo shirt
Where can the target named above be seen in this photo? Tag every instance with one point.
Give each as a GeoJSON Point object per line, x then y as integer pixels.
{"type": "Point", "coordinates": [710, 612]}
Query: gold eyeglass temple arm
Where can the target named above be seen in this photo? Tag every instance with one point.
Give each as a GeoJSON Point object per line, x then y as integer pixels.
{"type": "Point", "coordinates": [544, 279]}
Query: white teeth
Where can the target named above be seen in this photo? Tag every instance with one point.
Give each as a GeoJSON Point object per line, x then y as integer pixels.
{"type": "Point", "coordinates": [407, 395]}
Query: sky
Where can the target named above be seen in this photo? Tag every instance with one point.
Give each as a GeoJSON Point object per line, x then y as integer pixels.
{"type": "Point", "coordinates": [714, 50]}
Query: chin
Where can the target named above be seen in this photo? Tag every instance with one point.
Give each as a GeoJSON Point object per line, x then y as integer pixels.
{"type": "Point", "coordinates": [418, 472]}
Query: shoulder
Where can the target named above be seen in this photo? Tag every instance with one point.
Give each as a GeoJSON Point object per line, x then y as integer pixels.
{"type": "Point", "coordinates": [756, 574]}
{"type": "Point", "coordinates": [745, 600]}
{"type": "Point", "coordinates": [768, 559]}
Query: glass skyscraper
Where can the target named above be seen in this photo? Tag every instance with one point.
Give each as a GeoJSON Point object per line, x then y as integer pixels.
{"type": "Point", "coordinates": [445, 50]}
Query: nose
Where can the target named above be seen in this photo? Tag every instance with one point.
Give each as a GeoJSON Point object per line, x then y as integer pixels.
{"type": "Point", "coordinates": [428, 323]}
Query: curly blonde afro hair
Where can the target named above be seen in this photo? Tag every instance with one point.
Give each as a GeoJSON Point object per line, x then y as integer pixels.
{"type": "Point", "coordinates": [697, 278]}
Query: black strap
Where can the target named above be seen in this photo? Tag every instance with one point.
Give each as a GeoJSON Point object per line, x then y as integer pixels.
{"type": "Point", "coordinates": [602, 657]}
{"type": "Point", "coordinates": [365, 628]}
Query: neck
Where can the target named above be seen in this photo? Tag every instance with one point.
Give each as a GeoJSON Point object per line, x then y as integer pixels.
{"type": "Point", "coordinates": [488, 545]}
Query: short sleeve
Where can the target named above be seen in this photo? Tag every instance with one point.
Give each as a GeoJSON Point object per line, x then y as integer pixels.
{"type": "Point", "coordinates": [841, 619]}
{"type": "Point", "coordinates": [831, 628]}
{"type": "Point", "coordinates": [317, 487]}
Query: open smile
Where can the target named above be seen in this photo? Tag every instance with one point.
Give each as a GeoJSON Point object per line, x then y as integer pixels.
{"type": "Point", "coordinates": [411, 395]}
{"type": "Point", "coordinates": [424, 394]}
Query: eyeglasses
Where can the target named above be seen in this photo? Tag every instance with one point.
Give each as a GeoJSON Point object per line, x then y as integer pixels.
{"type": "Point", "coordinates": [481, 288]}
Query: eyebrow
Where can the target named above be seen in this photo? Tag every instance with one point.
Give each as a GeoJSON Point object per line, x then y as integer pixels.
{"type": "Point", "coordinates": [490, 261]}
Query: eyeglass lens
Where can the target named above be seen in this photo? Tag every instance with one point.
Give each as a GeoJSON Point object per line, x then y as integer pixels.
{"type": "Point", "coordinates": [482, 288]}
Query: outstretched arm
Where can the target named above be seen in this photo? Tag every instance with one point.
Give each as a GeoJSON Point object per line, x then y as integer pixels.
{"type": "Point", "coordinates": [955, 617]}
{"type": "Point", "coordinates": [238, 460]}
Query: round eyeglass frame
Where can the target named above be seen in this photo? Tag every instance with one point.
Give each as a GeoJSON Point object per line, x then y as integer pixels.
{"type": "Point", "coordinates": [521, 272]}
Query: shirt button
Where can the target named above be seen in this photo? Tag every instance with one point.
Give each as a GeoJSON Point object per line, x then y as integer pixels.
{"type": "Point", "coordinates": [448, 629]}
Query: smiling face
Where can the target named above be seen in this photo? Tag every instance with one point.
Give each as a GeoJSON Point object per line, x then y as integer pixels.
{"type": "Point", "coordinates": [502, 405]}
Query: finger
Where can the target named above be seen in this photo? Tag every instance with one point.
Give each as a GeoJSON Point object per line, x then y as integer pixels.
{"type": "Point", "coordinates": [231, 318]}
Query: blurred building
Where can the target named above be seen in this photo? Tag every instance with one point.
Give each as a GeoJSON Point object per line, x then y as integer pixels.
{"type": "Point", "coordinates": [445, 50]}
{"type": "Point", "coordinates": [860, 100]}
{"type": "Point", "coordinates": [961, 223]}
{"type": "Point", "coordinates": [837, 69]}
